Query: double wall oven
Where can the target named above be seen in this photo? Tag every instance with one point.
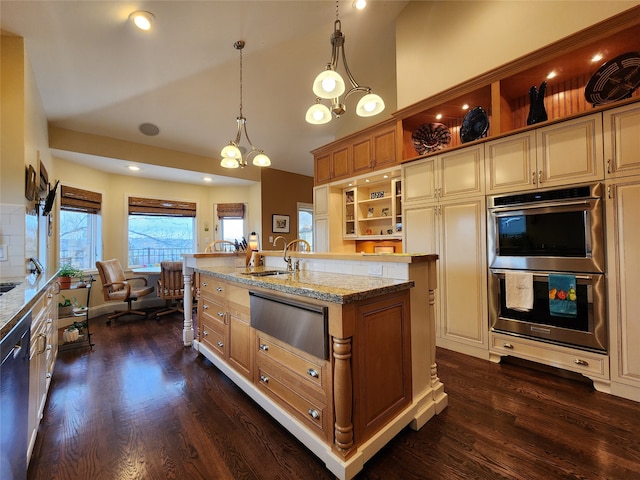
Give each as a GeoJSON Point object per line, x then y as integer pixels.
{"type": "Point", "coordinates": [543, 233]}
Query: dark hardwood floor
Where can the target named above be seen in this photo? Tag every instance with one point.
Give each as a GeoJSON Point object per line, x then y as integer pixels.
{"type": "Point", "coordinates": [141, 406]}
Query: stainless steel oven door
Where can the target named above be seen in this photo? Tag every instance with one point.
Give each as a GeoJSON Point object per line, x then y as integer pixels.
{"type": "Point", "coordinates": [588, 330]}
{"type": "Point", "coordinates": [549, 236]}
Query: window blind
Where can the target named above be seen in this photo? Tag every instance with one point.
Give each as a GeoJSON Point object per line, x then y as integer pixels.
{"type": "Point", "coordinates": [153, 206]}
{"type": "Point", "coordinates": [78, 200]}
{"type": "Point", "coordinates": [230, 210]}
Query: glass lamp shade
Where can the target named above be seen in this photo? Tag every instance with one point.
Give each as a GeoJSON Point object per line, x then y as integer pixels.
{"type": "Point", "coordinates": [227, 162]}
{"type": "Point", "coordinates": [231, 151]}
{"type": "Point", "coordinates": [370, 105]}
{"type": "Point", "coordinates": [317, 114]}
{"type": "Point", "coordinates": [261, 160]}
{"type": "Point", "coordinates": [254, 243]}
{"type": "Point", "coordinates": [328, 84]}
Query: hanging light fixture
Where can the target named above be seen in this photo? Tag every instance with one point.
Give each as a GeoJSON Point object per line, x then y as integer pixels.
{"type": "Point", "coordinates": [330, 85]}
{"type": "Point", "coordinates": [231, 155]}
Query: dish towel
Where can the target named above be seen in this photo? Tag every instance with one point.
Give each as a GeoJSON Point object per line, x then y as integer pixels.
{"type": "Point", "coordinates": [519, 290]}
{"type": "Point", "coordinates": [562, 295]}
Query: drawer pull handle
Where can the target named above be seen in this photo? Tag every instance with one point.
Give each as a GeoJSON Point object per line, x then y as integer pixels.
{"type": "Point", "coordinates": [507, 345]}
{"type": "Point", "coordinates": [264, 379]}
{"type": "Point", "coordinates": [204, 284]}
{"type": "Point", "coordinates": [220, 344]}
{"type": "Point", "coordinates": [264, 347]}
{"type": "Point", "coordinates": [582, 363]}
{"type": "Point", "coordinates": [313, 373]}
{"type": "Point", "coordinates": [205, 333]}
{"type": "Point", "coordinates": [314, 413]}
{"type": "Point", "coordinates": [205, 306]}
{"type": "Point", "coordinates": [221, 314]}
{"type": "Point", "coordinates": [48, 375]}
{"type": "Point", "coordinates": [219, 289]}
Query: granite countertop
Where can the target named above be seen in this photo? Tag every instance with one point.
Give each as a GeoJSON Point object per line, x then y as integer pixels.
{"type": "Point", "coordinates": [329, 287]}
{"type": "Point", "coordinates": [18, 301]}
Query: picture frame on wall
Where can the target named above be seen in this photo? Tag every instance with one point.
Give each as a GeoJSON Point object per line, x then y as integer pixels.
{"type": "Point", "coordinates": [280, 223]}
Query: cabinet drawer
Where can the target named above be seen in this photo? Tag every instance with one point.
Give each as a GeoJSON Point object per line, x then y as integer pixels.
{"type": "Point", "coordinates": [276, 382]}
{"type": "Point", "coordinates": [586, 363]}
{"type": "Point", "coordinates": [215, 287]}
{"type": "Point", "coordinates": [212, 333]}
{"type": "Point", "coordinates": [308, 373]}
{"type": "Point", "coordinates": [211, 309]}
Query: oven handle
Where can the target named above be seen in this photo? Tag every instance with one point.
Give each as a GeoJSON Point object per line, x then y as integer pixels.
{"type": "Point", "coordinates": [556, 206]}
{"type": "Point", "coordinates": [539, 274]}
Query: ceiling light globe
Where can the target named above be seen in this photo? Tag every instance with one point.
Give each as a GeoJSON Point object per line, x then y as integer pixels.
{"type": "Point", "coordinates": [261, 160]}
{"type": "Point", "coordinates": [328, 84]}
{"type": "Point", "coordinates": [227, 162]}
{"type": "Point", "coordinates": [231, 151]}
{"type": "Point", "coordinates": [370, 105]}
{"type": "Point", "coordinates": [318, 114]}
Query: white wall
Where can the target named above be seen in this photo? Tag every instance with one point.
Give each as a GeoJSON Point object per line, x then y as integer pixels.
{"type": "Point", "coordinates": [440, 44]}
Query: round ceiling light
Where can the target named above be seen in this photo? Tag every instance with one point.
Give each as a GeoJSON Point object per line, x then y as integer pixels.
{"type": "Point", "coordinates": [149, 129]}
{"type": "Point", "coordinates": [142, 19]}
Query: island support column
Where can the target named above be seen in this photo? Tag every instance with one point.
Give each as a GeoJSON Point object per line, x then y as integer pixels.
{"type": "Point", "coordinates": [187, 329]}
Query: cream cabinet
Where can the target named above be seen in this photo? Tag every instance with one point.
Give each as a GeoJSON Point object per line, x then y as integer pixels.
{"type": "Point", "coordinates": [560, 154]}
{"type": "Point", "coordinates": [444, 213]}
{"type": "Point", "coordinates": [327, 228]}
{"type": "Point", "coordinates": [622, 141]}
{"type": "Point", "coordinates": [623, 259]}
{"type": "Point", "coordinates": [42, 357]}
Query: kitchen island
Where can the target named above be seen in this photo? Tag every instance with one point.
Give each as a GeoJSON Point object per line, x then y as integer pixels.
{"type": "Point", "coordinates": [344, 361]}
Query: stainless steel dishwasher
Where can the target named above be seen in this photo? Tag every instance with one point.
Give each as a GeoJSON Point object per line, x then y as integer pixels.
{"type": "Point", "coordinates": [14, 400]}
{"type": "Point", "coordinates": [301, 325]}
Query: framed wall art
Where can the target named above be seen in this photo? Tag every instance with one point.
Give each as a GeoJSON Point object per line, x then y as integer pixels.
{"type": "Point", "coordinates": [280, 223]}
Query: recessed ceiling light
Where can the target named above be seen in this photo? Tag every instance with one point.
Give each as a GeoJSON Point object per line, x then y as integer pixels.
{"type": "Point", "coordinates": [359, 4]}
{"type": "Point", "coordinates": [551, 74]}
{"type": "Point", "coordinates": [207, 179]}
{"type": "Point", "coordinates": [367, 181]}
{"type": "Point", "coordinates": [133, 167]}
{"type": "Point", "coordinates": [597, 57]}
{"type": "Point", "coordinates": [142, 19]}
{"type": "Point", "coordinates": [439, 116]}
{"type": "Point", "coordinates": [465, 106]}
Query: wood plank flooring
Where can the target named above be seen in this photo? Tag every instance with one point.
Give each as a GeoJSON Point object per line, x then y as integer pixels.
{"type": "Point", "coordinates": [142, 406]}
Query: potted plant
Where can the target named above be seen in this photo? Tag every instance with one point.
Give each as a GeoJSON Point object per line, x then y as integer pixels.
{"type": "Point", "coordinates": [65, 273]}
{"type": "Point", "coordinates": [65, 307]}
{"type": "Point", "coordinates": [70, 334]}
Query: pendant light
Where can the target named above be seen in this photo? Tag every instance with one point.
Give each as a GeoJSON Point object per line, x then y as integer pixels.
{"type": "Point", "coordinates": [231, 155]}
{"type": "Point", "coordinates": [330, 85]}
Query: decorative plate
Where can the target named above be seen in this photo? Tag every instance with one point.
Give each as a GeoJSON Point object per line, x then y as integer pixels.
{"type": "Point", "coordinates": [474, 126]}
{"type": "Point", "coordinates": [430, 137]}
{"type": "Point", "coordinates": [615, 80]}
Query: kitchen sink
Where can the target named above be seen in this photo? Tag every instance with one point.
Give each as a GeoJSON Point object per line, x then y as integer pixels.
{"type": "Point", "coordinates": [267, 273]}
{"type": "Point", "coordinates": [8, 286]}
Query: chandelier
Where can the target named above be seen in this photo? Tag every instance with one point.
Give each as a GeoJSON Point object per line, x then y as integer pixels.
{"type": "Point", "coordinates": [330, 85]}
{"type": "Point", "coordinates": [231, 154]}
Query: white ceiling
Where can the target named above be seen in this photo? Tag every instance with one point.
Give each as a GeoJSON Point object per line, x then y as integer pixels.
{"type": "Point", "coordinates": [97, 74]}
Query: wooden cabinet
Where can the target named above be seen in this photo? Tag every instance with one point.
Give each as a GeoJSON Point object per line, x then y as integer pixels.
{"type": "Point", "coordinates": [298, 381]}
{"type": "Point", "coordinates": [623, 258]}
{"type": "Point", "coordinates": [224, 322]}
{"type": "Point", "coordinates": [42, 357]}
{"type": "Point", "coordinates": [560, 154]}
{"type": "Point", "coordinates": [622, 141]}
{"type": "Point", "coordinates": [503, 92]}
{"type": "Point", "coordinates": [373, 211]}
{"type": "Point", "coordinates": [444, 212]}
{"type": "Point", "coordinates": [366, 151]}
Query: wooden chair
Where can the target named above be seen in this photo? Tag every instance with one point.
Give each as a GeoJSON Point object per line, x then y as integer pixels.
{"type": "Point", "coordinates": [220, 246]}
{"type": "Point", "coordinates": [171, 287]}
{"type": "Point", "coordinates": [116, 286]}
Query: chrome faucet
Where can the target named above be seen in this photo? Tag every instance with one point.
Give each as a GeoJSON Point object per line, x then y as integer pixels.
{"type": "Point", "coordinates": [284, 252]}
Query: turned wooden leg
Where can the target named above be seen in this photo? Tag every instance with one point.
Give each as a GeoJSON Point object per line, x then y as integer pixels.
{"type": "Point", "coordinates": [343, 396]}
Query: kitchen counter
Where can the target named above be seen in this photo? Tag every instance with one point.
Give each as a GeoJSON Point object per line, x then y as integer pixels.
{"type": "Point", "coordinates": [329, 287]}
{"type": "Point", "coordinates": [18, 301]}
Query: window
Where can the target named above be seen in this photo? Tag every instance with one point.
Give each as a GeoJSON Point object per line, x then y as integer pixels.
{"type": "Point", "coordinates": [80, 227]}
{"type": "Point", "coordinates": [305, 222]}
{"type": "Point", "coordinates": [231, 216]}
{"type": "Point", "coordinates": [160, 230]}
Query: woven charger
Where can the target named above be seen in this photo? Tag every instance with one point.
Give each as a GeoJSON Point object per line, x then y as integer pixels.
{"type": "Point", "coordinates": [430, 137]}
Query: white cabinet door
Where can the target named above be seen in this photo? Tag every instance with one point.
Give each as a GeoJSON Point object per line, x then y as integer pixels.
{"type": "Point", "coordinates": [622, 141]}
{"type": "Point", "coordinates": [462, 286]}
{"type": "Point", "coordinates": [321, 234]}
{"type": "Point", "coordinates": [420, 231]}
{"type": "Point", "coordinates": [321, 201]}
{"type": "Point", "coordinates": [570, 152]}
{"type": "Point", "coordinates": [510, 162]}
{"type": "Point", "coordinates": [623, 254]}
{"type": "Point", "coordinates": [461, 173]}
{"type": "Point", "coordinates": [419, 181]}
